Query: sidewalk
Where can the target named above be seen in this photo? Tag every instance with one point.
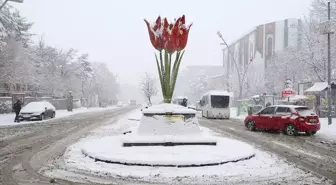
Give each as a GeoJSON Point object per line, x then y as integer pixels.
{"type": "Point", "coordinates": [8, 119]}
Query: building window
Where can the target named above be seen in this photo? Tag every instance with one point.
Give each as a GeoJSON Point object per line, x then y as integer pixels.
{"type": "Point", "coordinates": [251, 52]}
{"type": "Point", "coordinates": [269, 46]}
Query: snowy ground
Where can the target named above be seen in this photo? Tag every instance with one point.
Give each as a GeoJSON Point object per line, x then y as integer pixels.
{"type": "Point", "coordinates": [233, 114]}
{"type": "Point", "coordinates": [264, 168]}
{"type": "Point", "coordinates": [8, 119]}
{"type": "Point", "coordinates": [328, 131]}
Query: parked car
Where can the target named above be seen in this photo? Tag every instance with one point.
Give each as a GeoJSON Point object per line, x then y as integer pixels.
{"type": "Point", "coordinates": [37, 111]}
{"type": "Point", "coordinates": [287, 118]}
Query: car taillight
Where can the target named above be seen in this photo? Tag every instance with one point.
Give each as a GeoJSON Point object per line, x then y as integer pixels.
{"type": "Point", "coordinates": [301, 119]}
{"type": "Point", "coordinates": [313, 120]}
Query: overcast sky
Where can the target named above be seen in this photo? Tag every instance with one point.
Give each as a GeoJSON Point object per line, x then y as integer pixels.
{"type": "Point", "coordinates": [114, 32]}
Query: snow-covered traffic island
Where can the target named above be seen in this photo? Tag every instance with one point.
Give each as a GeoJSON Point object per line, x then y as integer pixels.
{"type": "Point", "coordinates": [165, 144]}
{"type": "Point", "coordinates": [168, 136]}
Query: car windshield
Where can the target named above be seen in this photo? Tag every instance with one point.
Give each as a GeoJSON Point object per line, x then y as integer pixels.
{"type": "Point", "coordinates": [220, 101]}
{"type": "Point", "coordinates": [305, 111]}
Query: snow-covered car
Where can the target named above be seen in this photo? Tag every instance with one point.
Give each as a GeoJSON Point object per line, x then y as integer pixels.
{"type": "Point", "coordinates": [37, 111]}
{"type": "Point", "coordinates": [288, 118]}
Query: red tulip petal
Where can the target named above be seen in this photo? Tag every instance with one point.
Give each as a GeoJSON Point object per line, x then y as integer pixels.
{"type": "Point", "coordinates": [165, 23]}
{"type": "Point", "coordinates": [183, 39]}
{"type": "Point", "coordinates": [158, 21]}
{"type": "Point", "coordinates": [183, 19]}
{"type": "Point", "coordinates": [152, 36]}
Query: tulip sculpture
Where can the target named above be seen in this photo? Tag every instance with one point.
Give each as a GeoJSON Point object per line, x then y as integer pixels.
{"type": "Point", "coordinates": [168, 39]}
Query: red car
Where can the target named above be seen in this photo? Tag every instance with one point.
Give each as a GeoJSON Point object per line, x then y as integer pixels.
{"type": "Point", "coordinates": [288, 118]}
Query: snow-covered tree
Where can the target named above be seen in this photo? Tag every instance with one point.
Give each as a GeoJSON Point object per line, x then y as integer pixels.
{"type": "Point", "coordinates": [84, 73]}
{"type": "Point", "coordinates": [148, 87]}
{"type": "Point", "coordinates": [285, 65]}
{"type": "Point", "coordinates": [13, 26]}
{"type": "Point", "coordinates": [198, 86]}
{"type": "Point", "coordinates": [103, 83]}
{"type": "Point", "coordinates": [44, 70]}
{"type": "Point", "coordinates": [16, 64]}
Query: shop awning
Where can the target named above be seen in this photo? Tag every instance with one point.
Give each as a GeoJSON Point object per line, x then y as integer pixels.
{"type": "Point", "coordinates": [318, 87]}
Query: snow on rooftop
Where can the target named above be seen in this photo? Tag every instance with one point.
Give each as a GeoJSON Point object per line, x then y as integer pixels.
{"type": "Point", "coordinates": [318, 87]}
{"type": "Point", "coordinates": [219, 93]}
{"type": "Point", "coordinates": [289, 106]}
{"type": "Point", "coordinates": [181, 97]}
{"type": "Point", "coordinates": [256, 96]}
{"type": "Point", "coordinates": [297, 97]}
{"type": "Point", "coordinates": [168, 108]}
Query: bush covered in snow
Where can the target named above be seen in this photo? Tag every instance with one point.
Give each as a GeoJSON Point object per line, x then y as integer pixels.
{"type": "Point", "coordinates": [5, 106]}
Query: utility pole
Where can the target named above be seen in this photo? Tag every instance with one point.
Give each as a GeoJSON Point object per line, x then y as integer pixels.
{"type": "Point", "coordinates": [325, 28]}
{"type": "Point", "coordinates": [236, 66]}
{"type": "Point", "coordinates": [329, 70]}
{"type": "Point", "coordinates": [227, 70]}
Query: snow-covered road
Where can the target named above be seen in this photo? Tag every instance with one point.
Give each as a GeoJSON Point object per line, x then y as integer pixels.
{"type": "Point", "coordinates": [279, 159]}
{"type": "Point", "coordinates": [265, 168]}
{"type": "Point", "coordinates": [22, 154]}
{"type": "Point", "coordinates": [313, 153]}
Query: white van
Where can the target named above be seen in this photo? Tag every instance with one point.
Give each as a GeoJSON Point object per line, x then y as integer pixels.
{"type": "Point", "coordinates": [216, 104]}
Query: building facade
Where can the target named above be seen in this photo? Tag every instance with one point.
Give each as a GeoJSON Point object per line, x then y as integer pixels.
{"type": "Point", "coordinates": [250, 54]}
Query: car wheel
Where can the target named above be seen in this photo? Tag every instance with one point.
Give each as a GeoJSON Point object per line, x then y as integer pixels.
{"type": "Point", "coordinates": [42, 117]}
{"type": "Point", "coordinates": [250, 125]}
{"type": "Point", "coordinates": [291, 130]}
{"type": "Point", "coordinates": [311, 133]}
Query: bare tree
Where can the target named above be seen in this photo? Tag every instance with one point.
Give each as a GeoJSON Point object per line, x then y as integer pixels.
{"type": "Point", "coordinates": [148, 87]}
{"type": "Point", "coordinates": [198, 85]}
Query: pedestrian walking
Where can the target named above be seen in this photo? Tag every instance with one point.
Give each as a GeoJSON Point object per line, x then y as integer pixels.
{"type": "Point", "coordinates": [17, 109]}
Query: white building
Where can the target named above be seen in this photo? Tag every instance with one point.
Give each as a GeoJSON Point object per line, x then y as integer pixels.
{"type": "Point", "coordinates": [254, 51]}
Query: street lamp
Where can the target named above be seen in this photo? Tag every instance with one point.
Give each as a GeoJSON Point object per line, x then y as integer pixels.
{"type": "Point", "coordinates": [17, 1]}
{"type": "Point", "coordinates": [234, 62]}
{"type": "Point", "coordinates": [325, 28]}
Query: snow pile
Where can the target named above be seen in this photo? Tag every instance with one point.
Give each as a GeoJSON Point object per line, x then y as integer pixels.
{"type": "Point", "coordinates": [210, 150]}
{"type": "Point", "coordinates": [161, 125]}
{"type": "Point", "coordinates": [220, 93]}
{"type": "Point", "coordinates": [167, 108]}
{"type": "Point", "coordinates": [168, 138]}
{"type": "Point", "coordinates": [328, 132]}
{"type": "Point", "coordinates": [109, 149]}
{"type": "Point", "coordinates": [233, 114]}
{"type": "Point", "coordinates": [178, 121]}
{"type": "Point", "coordinates": [136, 116]}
